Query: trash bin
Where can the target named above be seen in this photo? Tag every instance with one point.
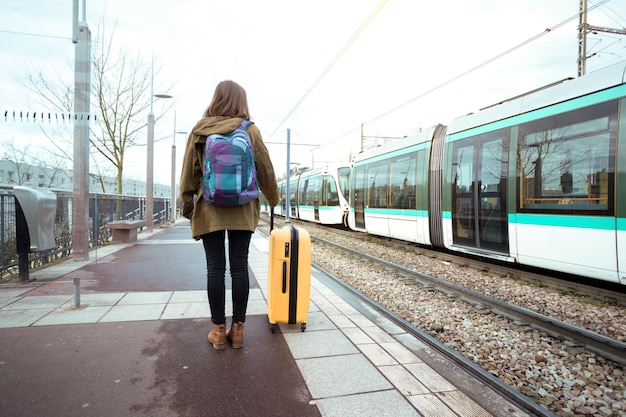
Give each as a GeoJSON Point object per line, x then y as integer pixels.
{"type": "Point", "coordinates": [35, 215]}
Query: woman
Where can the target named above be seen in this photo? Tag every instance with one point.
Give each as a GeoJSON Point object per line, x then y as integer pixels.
{"type": "Point", "coordinates": [210, 223]}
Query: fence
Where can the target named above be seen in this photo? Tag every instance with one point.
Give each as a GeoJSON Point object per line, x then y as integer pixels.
{"type": "Point", "coordinates": [102, 209]}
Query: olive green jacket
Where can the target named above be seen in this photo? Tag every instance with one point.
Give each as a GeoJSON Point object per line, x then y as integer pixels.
{"type": "Point", "coordinates": [207, 218]}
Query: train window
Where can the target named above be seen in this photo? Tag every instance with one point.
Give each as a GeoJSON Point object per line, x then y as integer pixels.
{"type": "Point", "coordinates": [302, 192]}
{"type": "Point", "coordinates": [377, 181]}
{"type": "Point", "coordinates": [463, 168]}
{"type": "Point", "coordinates": [331, 198]}
{"type": "Point", "coordinates": [566, 163]}
{"type": "Point", "coordinates": [293, 188]}
{"type": "Point", "coordinates": [463, 204]}
{"type": "Point", "coordinates": [402, 182]}
{"type": "Point", "coordinates": [281, 193]}
{"type": "Point", "coordinates": [313, 191]}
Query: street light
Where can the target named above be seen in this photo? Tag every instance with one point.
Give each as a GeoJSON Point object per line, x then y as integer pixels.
{"type": "Point", "coordinates": [173, 202]}
{"type": "Point", "coordinates": [150, 164]}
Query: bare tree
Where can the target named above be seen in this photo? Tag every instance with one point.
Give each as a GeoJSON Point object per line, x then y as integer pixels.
{"type": "Point", "coordinates": [21, 164]}
{"type": "Point", "coordinates": [120, 91]}
{"type": "Point", "coordinates": [32, 168]}
{"type": "Point", "coordinates": [120, 84]}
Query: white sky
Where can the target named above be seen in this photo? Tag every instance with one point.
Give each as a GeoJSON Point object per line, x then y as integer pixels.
{"type": "Point", "coordinates": [277, 49]}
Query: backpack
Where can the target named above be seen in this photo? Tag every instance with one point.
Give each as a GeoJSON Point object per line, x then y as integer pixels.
{"type": "Point", "coordinates": [229, 177]}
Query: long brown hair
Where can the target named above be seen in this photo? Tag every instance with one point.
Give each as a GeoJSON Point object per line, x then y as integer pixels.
{"type": "Point", "coordinates": [229, 99]}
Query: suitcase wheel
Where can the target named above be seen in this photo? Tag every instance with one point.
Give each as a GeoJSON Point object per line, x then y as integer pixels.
{"type": "Point", "coordinates": [303, 326]}
{"type": "Point", "coordinates": [273, 327]}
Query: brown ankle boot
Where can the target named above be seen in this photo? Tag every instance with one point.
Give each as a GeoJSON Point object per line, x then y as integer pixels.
{"type": "Point", "coordinates": [235, 335]}
{"type": "Point", "coordinates": [217, 337]}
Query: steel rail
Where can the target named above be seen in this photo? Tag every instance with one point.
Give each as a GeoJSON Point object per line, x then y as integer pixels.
{"type": "Point", "coordinates": [522, 401]}
{"type": "Point", "coordinates": [511, 394]}
{"type": "Point", "coordinates": [599, 344]}
{"type": "Point", "coordinates": [599, 290]}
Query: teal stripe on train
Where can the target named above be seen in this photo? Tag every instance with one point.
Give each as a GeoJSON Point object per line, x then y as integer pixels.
{"type": "Point", "coordinates": [581, 222]}
{"type": "Point", "coordinates": [321, 208]}
{"type": "Point", "coordinates": [396, 212]}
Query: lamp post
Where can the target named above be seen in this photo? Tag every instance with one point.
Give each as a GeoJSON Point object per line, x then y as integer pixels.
{"type": "Point", "coordinates": [173, 197]}
{"type": "Point", "coordinates": [288, 180]}
{"type": "Point", "coordinates": [150, 164]}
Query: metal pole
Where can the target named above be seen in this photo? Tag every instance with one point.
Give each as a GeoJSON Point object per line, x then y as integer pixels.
{"type": "Point", "coordinates": [173, 194]}
{"type": "Point", "coordinates": [582, 38]}
{"type": "Point", "coordinates": [287, 192]}
{"type": "Point", "coordinates": [77, 292]}
{"type": "Point", "coordinates": [80, 188]}
{"type": "Point", "coordinates": [150, 174]}
{"type": "Point", "coordinates": [150, 162]}
{"type": "Point", "coordinates": [75, 21]}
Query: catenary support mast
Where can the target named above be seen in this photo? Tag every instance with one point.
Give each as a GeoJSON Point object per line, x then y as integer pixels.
{"type": "Point", "coordinates": [583, 29]}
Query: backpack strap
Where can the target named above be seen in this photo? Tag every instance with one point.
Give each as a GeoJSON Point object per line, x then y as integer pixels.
{"type": "Point", "coordinates": [244, 127]}
{"type": "Point", "coordinates": [244, 124]}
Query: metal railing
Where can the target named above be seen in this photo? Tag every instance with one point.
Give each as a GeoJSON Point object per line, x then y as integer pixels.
{"type": "Point", "coordinates": [102, 209]}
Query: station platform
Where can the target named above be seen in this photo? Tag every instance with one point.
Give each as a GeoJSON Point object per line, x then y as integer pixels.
{"type": "Point", "coordinates": [134, 343]}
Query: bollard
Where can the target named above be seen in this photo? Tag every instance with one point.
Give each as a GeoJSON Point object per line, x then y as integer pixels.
{"type": "Point", "coordinates": [77, 292]}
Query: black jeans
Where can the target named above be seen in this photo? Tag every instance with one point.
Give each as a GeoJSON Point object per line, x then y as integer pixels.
{"type": "Point", "coordinates": [214, 248]}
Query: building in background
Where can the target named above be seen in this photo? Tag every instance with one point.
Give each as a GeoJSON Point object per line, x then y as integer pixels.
{"type": "Point", "coordinates": [12, 173]}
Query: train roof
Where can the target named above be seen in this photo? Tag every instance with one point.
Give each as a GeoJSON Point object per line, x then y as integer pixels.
{"type": "Point", "coordinates": [423, 136]}
{"type": "Point", "coordinates": [329, 167]}
{"type": "Point", "coordinates": [611, 76]}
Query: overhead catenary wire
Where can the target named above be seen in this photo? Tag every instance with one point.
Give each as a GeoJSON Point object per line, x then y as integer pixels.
{"type": "Point", "coordinates": [615, 17]}
{"type": "Point", "coordinates": [602, 47]}
{"type": "Point", "coordinates": [34, 34]}
{"type": "Point", "coordinates": [333, 62]}
{"type": "Point", "coordinates": [464, 73]}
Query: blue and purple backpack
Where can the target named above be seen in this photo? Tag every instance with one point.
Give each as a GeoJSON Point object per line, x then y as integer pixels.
{"type": "Point", "coordinates": [229, 177]}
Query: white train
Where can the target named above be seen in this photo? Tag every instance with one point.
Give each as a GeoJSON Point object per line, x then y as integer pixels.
{"type": "Point", "coordinates": [318, 195]}
{"type": "Point", "coordinates": [538, 180]}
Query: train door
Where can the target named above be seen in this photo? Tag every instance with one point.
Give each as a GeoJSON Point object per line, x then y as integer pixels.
{"type": "Point", "coordinates": [621, 250]}
{"type": "Point", "coordinates": [360, 186]}
{"type": "Point", "coordinates": [620, 195]}
{"type": "Point", "coordinates": [315, 187]}
{"type": "Point", "coordinates": [302, 186]}
{"type": "Point", "coordinates": [283, 200]}
{"type": "Point", "coordinates": [479, 210]}
{"type": "Point", "coordinates": [293, 202]}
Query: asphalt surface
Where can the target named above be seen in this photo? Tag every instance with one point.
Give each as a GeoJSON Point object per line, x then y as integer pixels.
{"type": "Point", "coordinates": [146, 368]}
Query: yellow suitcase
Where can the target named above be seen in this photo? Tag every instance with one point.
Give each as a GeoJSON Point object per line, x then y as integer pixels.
{"type": "Point", "coordinates": [289, 276]}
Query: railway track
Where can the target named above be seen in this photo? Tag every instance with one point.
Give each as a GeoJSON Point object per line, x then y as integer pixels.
{"type": "Point", "coordinates": [603, 346]}
{"type": "Point", "coordinates": [360, 300]}
{"type": "Point", "coordinates": [575, 286]}
{"type": "Point", "coordinates": [520, 400]}
{"type": "Point", "coordinates": [519, 333]}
